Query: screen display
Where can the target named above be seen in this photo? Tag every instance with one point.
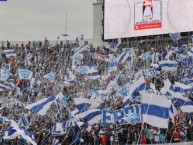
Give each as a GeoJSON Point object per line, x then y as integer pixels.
{"type": "Point", "coordinates": [131, 18]}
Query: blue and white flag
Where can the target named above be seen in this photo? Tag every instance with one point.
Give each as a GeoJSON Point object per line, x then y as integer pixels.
{"type": "Point", "coordinates": [190, 52]}
{"type": "Point", "coordinates": [62, 98]}
{"type": "Point", "coordinates": [125, 54]}
{"type": "Point", "coordinates": [59, 108]}
{"type": "Point", "coordinates": [70, 77]}
{"type": "Point", "coordinates": [145, 55]}
{"type": "Point", "coordinates": [10, 53]}
{"type": "Point", "coordinates": [92, 116]}
{"type": "Point", "coordinates": [136, 87]}
{"type": "Point", "coordinates": [77, 57]}
{"type": "Point", "coordinates": [113, 65]}
{"type": "Point", "coordinates": [189, 82]}
{"type": "Point", "coordinates": [168, 65]}
{"type": "Point", "coordinates": [82, 104]}
{"type": "Point", "coordinates": [93, 74]}
{"type": "Point", "coordinates": [82, 69]}
{"type": "Point", "coordinates": [25, 74]}
{"type": "Point", "coordinates": [123, 90]}
{"type": "Point", "coordinates": [178, 98]}
{"type": "Point", "coordinates": [155, 110]}
{"type": "Point", "coordinates": [149, 73]}
{"type": "Point", "coordinates": [187, 107]}
{"type": "Point", "coordinates": [123, 116]}
{"type": "Point", "coordinates": [3, 119]}
{"type": "Point", "coordinates": [9, 85]}
{"type": "Point", "coordinates": [59, 129]}
{"type": "Point", "coordinates": [114, 46]}
{"type": "Point", "coordinates": [85, 126]}
{"type": "Point", "coordinates": [50, 77]}
{"type": "Point", "coordinates": [173, 112]}
{"type": "Point", "coordinates": [23, 122]}
{"type": "Point", "coordinates": [5, 74]}
{"type": "Point", "coordinates": [41, 106]}
{"type": "Point", "coordinates": [175, 36]}
{"type": "Point", "coordinates": [80, 38]}
{"type": "Point", "coordinates": [56, 142]}
{"type": "Point", "coordinates": [181, 88]}
{"type": "Point", "coordinates": [183, 47]}
{"type": "Point", "coordinates": [14, 131]}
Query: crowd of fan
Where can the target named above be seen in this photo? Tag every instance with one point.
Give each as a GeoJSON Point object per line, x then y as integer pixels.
{"type": "Point", "coordinates": [44, 59]}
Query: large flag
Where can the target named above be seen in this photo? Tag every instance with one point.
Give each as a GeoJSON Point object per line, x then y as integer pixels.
{"type": "Point", "coordinates": [187, 107]}
{"type": "Point", "coordinates": [155, 110]}
{"type": "Point", "coordinates": [59, 128]}
{"type": "Point", "coordinates": [136, 87]}
{"type": "Point", "coordinates": [92, 116]}
{"type": "Point", "coordinates": [181, 88]}
{"type": "Point", "coordinates": [14, 131]}
{"type": "Point", "coordinates": [4, 74]}
{"type": "Point", "coordinates": [41, 106]}
{"type": "Point", "coordinates": [50, 77]}
{"type": "Point", "coordinates": [168, 65]}
{"type": "Point", "coordinates": [25, 74]}
{"type": "Point", "coordinates": [10, 53]}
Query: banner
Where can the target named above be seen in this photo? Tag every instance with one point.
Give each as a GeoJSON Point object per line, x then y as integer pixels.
{"type": "Point", "coordinates": [128, 115]}
{"type": "Point", "coordinates": [149, 73]}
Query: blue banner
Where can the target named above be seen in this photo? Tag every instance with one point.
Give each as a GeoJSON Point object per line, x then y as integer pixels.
{"type": "Point", "coordinates": [128, 115]}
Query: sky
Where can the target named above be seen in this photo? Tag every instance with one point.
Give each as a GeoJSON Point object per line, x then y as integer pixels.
{"type": "Point", "coordinates": [23, 20]}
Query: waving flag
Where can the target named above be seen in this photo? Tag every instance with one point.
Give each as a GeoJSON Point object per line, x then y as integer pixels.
{"type": "Point", "coordinates": [9, 85]}
{"type": "Point", "coordinates": [93, 74]}
{"type": "Point", "coordinates": [155, 110]}
{"type": "Point", "coordinates": [77, 57]}
{"type": "Point", "coordinates": [189, 82]}
{"type": "Point", "coordinates": [190, 52]}
{"type": "Point", "coordinates": [145, 55]}
{"type": "Point", "coordinates": [25, 74]}
{"type": "Point", "coordinates": [80, 38]}
{"type": "Point", "coordinates": [4, 74]}
{"type": "Point", "coordinates": [114, 46]}
{"type": "Point", "coordinates": [84, 126]}
{"type": "Point", "coordinates": [70, 76]}
{"type": "Point", "coordinates": [59, 129]}
{"type": "Point", "coordinates": [175, 36]}
{"type": "Point", "coordinates": [136, 87]}
{"type": "Point", "coordinates": [187, 107]}
{"type": "Point", "coordinates": [181, 88]}
{"type": "Point", "coordinates": [23, 122]}
{"type": "Point", "coordinates": [168, 65]}
{"type": "Point", "coordinates": [14, 131]}
{"type": "Point", "coordinates": [56, 142]}
{"type": "Point", "coordinates": [113, 65]}
{"type": "Point", "coordinates": [149, 73]}
{"type": "Point", "coordinates": [125, 54]}
{"type": "Point", "coordinates": [10, 53]}
{"type": "Point", "coordinates": [41, 106]}
{"type": "Point", "coordinates": [50, 77]}
{"type": "Point", "coordinates": [178, 98]}
{"type": "Point", "coordinates": [82, 69]}
{"type": "Point", "coordinates": [92, 116]}
{"type": "Point", "coordinates": [3, 119]}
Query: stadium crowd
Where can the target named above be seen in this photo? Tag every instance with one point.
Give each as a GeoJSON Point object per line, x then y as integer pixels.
{"type": "Point", "coordinates": [41, 58]}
